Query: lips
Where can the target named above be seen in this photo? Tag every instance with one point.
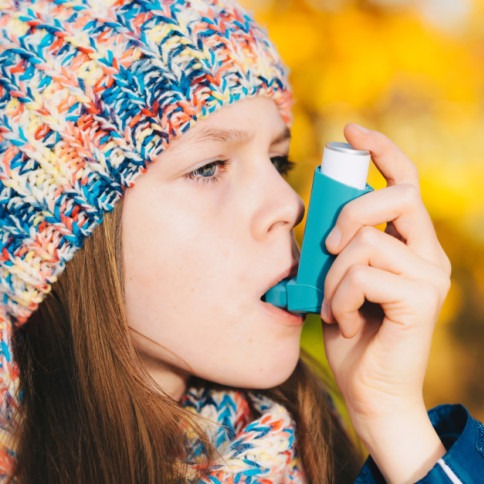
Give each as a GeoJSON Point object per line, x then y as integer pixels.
{"type": "Point", "coordinates": [284, 316]}
{"type": "Point", "coordinates": [287, 274]}
{"type": "Point", "coordinates": [282, 313]}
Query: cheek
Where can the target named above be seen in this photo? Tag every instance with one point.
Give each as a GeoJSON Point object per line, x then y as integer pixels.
{"type": "Point", "coordinates": [176, 263]}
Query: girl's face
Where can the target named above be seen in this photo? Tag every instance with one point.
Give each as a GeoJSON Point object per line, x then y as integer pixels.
{"type": "Point", "coordinates": [207, 230]}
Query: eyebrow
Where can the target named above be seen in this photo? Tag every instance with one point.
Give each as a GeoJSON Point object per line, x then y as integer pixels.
{"type": "Point", "coordinates": [236, 135]}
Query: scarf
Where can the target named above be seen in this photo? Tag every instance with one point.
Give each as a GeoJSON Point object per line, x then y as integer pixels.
{"type": "Point", "coordinates": [254, 438]}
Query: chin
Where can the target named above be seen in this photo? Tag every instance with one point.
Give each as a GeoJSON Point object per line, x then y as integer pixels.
{"type": "Point", "coordinates": [271, 374]}
{"type": "Point", "coordinates": [259, 371]}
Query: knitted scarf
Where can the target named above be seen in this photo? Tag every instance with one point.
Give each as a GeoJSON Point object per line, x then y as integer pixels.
{"type": "Point", "coordinates": [253, 435]}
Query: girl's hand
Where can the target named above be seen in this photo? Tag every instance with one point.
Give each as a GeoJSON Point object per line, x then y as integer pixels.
{"type": "Point", "coordinates": [383, 295]}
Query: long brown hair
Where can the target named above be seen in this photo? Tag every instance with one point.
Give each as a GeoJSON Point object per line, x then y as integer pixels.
{"type": "Point", "coordinates": [91, 413]}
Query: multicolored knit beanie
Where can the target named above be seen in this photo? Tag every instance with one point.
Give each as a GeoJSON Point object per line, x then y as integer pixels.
{"type": "Point", "coordinates": [91, 91]}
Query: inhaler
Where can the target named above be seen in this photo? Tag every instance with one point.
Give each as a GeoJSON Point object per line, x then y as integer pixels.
{"type": "Point", "coordinates": [340, 178]}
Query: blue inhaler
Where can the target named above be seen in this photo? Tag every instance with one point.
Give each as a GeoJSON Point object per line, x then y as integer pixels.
{"type": "Point", "coordinates": [340, 179]}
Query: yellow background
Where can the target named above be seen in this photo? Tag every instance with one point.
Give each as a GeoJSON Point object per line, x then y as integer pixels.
{"type": "Point", "coordinates": [413, 70]}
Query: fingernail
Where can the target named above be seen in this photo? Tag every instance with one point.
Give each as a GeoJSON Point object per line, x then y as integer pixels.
{"type": "Point", "coordinates": [334, 238]}
{"type": "Point", "coordinates": [361, 128]}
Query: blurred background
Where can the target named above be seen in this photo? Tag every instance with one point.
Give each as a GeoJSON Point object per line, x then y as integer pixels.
{"type": "Point", "coordinates": [415, 71]}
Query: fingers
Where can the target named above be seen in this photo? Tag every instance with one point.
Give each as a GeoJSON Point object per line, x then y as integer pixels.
{"type": "Point", "coordinates": [405, 212]}
{"type": "Point", "coordinates": [388, 158]}
{"type": "Point", "coordinates": [400, 205]}
{"type": "Point", "coordinates": [404, 270]}
{"type": "Point", "coordinates": [377, 249]}
{"type": "Point", "coordinates": [364, 283]}
{"type": "Point", "coordinates": [373, 248]}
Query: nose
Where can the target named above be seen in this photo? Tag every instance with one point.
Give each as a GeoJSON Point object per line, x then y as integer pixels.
{"type": "Point", "coordinates": [276, 205]}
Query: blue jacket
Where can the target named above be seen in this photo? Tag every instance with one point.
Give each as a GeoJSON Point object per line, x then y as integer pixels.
{"type": "Point", "coordinates": [463, 438]}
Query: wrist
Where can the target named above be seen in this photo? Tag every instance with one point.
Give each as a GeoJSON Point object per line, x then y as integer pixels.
{"type": "Point", "coordinates": [372, 421]}
{"type": "Point", "coordinates": [404, 445]}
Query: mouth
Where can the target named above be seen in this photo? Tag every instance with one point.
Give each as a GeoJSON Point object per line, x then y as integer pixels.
{"type": "Point", "coordinates": [278, 306]}
{"type": "Point", "coordinates": [283, 315]}
{"type": "Point", "coordinates": [287, 274]}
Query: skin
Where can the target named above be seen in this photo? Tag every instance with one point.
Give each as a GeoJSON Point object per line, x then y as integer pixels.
{"type": "Point", "coordinates": [379, 361]}
{"type": "Point", "coordinates": [211, 249]}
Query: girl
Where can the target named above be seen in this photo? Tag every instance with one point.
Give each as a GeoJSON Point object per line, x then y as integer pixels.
{"type": "Point", "coordinates": [144, 214]}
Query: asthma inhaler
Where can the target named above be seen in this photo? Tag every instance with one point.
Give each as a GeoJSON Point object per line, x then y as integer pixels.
{"type": "Point", "coordinates": [340, 179]}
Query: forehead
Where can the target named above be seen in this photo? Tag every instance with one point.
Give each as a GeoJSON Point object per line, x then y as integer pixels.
{"type": "Point", "coordinates": [240, 122]}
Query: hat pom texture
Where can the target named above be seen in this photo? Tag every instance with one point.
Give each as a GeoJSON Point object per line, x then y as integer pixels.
{"type": "Point", "coordinates": [90, 93]}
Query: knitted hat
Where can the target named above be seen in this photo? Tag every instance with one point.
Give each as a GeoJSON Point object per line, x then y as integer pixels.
{"type": "Point", "coordinates": [91, 91]}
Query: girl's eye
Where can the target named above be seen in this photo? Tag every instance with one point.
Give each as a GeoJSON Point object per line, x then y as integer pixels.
{"type": "Point", "coordinates": [283, 164]}
{"type": "Point", "coordinates": [210, 172]}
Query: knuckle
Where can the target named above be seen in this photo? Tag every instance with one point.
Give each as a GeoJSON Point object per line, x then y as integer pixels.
{"type": "Point", "coordinates": [367, 236]}
{"type": "Point", "coordinates": [349, 214]}
{"type": "Point", "coordinates": [446, 265]}
{"type": "Point", "coordinates": [409, 195]}
{"type": "Point", "coordinates": [444, 284]}
{"type": "Point", "coordinates": [357, 276]}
